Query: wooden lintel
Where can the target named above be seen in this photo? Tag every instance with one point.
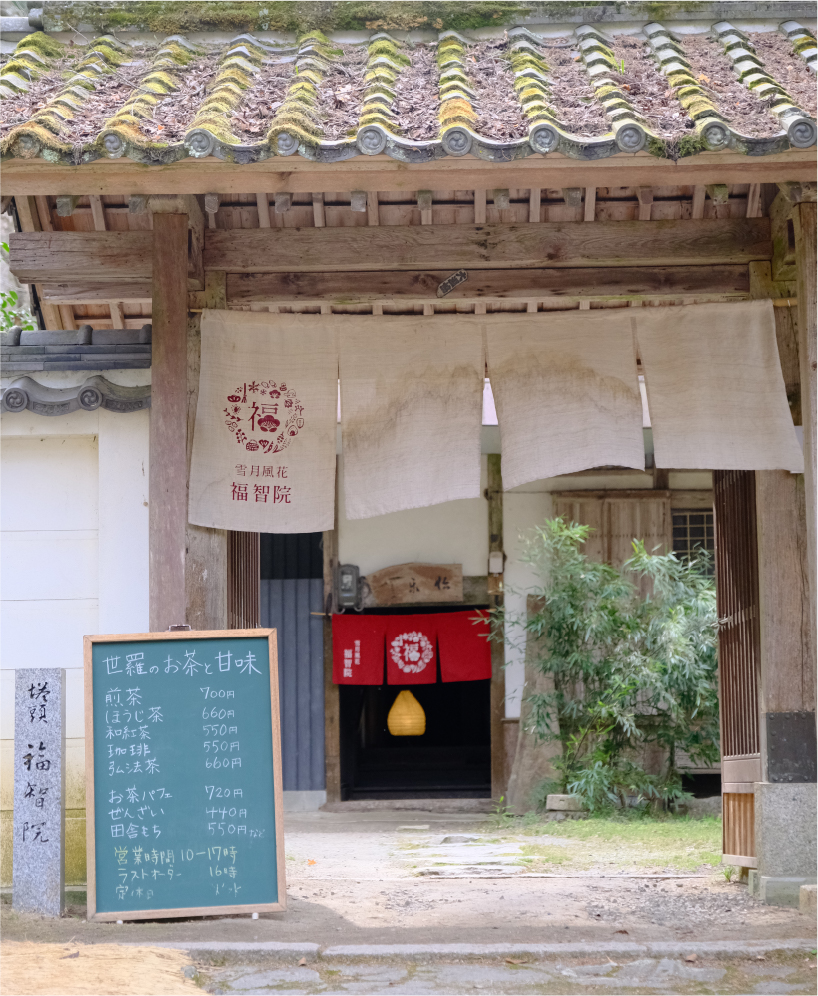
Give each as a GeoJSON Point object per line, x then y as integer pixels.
{"type": "Point", "coordinates": [383, 286]}
{"type": "Point", "coordinates": [553, 244]}
{"type": "Point", "coordinates": [81, 257]}
{"type": "Point", "coordinates": [296, 175]}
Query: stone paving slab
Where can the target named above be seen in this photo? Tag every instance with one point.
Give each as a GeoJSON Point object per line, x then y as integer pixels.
{"type": "Point", "coordinates": [570, 977]}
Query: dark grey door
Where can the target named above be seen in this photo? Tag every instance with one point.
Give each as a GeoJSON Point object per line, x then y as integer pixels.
{"type": "Point", "coordinates": [288, 597]}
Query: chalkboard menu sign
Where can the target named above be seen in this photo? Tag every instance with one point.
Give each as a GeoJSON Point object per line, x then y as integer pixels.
{"type": "Point", "coordinates": [183, 774]}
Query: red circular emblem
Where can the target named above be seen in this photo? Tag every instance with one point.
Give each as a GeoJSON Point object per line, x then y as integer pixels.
{"type": "Point", "coordinates": [264, 415]}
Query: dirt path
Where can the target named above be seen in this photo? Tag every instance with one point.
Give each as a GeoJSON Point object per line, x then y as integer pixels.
{"type": "Point", "coordinates": [364, 878]}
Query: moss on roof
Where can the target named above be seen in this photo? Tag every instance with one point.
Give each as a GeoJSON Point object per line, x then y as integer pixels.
{"type": "Point", "coordinates": [170, 16]}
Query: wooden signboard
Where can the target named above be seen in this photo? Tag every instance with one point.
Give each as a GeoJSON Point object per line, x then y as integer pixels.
{"type": "Point", "coordinates": [183, 774]}
{"type": "Point", "coordinates": [407, 584]}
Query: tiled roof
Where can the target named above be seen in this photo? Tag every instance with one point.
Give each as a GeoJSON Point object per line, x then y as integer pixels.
{"type": "Point", "coordinates": [586, 92]}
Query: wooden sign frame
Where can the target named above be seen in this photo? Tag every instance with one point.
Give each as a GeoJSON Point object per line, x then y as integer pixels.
{"type": "Point", "coordinates": [278, 798]}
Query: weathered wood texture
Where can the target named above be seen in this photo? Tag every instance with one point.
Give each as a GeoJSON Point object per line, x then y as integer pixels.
{"type": "Point", "coordinates": [168, 424]}
{"type": "Point", "coordinates": [804, 217]}
{"type": "Point", "coordinates": [617, 518]}
{"type": "Point", "coordinates": [372, 173]}
{"type": "Point", "coordinates": [787, 656]}
{"type": "Point", "coordinates": [28, 214]}
{"type": "Point", "coordinates": [786, 647]}
{"type": "Point", "coordinates": [83, 256]}
{"type": "Point", "coordinates": [494, 494]}
{"type": "Point", "coordinates": [385, 286]}
{"type": "Point", "coordinates": [409, 584]}
{"type": "Point", "coordinates": [738, 832]}
{"type": "Point", "coordinates": [205, 549]}
{"type": "Point", "coordinates": [449, 247]}
{"type": "Point", "coordinates": [763, 286]}
{"type": "Point", "coordinates": [533, 760]}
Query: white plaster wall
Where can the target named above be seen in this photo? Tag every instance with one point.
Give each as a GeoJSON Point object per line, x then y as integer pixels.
{"type": "Point", "coordinates": [74, 557]}
{"type": "Point", "coordinates": [455, 532]}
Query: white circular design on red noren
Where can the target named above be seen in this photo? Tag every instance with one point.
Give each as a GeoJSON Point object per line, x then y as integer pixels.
{"type": "Point", "coordinates": [412, 652]}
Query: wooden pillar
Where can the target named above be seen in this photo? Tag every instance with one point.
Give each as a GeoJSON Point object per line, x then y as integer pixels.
{"type": "Point", "coordinates": [168, 424]}
{"type": "Point", "coordinates": [332, 703]}
{"type": "Point", "coordinates": [784, 789]}
{"type": "Point", "coordinates": [206, 561]}
{"type": "Point", "coordinates": [496, 599]}
{"type": "Point", "coordinates": [803, 217]}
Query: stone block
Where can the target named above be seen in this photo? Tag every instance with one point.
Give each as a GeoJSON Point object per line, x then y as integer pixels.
{"type": "Point", "coordinates": [808, 900]}
{"type": "Point", "coordinates": [780, 891]}
{"type": "Point", "coordinates": [709, 806]}
{"type": "Point", "coordinates": [38, 874]}
{"type": "Point", "coordinates": [564, 803]}
{"type": "Point", "coordinates": [785, 831]}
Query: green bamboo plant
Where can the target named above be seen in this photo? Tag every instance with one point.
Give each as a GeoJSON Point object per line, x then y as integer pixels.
{"type": "Point", "coordinates": [627, 671]}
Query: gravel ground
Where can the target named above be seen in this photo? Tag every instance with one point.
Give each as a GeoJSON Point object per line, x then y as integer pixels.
{"type": "Point", "coordinates": [362, 887]}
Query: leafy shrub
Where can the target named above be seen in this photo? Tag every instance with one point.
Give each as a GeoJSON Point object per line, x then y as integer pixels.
{"type": "Point", "coordinates": [628, 670]}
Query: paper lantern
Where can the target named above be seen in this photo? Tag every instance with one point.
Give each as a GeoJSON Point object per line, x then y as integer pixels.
{"type": "Point", "coordinates": [406, 717]}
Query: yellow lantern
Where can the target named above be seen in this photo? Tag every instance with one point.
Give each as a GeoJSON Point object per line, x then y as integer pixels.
{"type": "Point", "coordinates": [406, 717]}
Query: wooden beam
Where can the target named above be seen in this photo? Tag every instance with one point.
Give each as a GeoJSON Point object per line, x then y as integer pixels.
{"type": "Point", "coordinates": [98, 212]}
{"type": "Point", "coordinates": [263, 205]}
{"type": "Point", "coordinates": [424, 201]}
{"type": "Point", "coordinates": [754, 200]}
{"type": "Point", "coordinates": [28, 215]}
{"type": "Point", "coordinates": [291, 173]}
{"type": "Point", "coordinates": [494, 494]}
{"type": "Point", "coordinates": [699, 197]}
{"type": "Point", "coordinates": [373, 213]}
{"type": "Point", "coordinates": [388, 286]}
{"type": "Point", "coordinates": [560, 244]}
{"type": "Point", "coordinates": [140, 293]}
{"type": "Point", "coordinates": [168, 423]}
{"type": "Point", "coordinates": [318, 210]}
{"type": "Point", "coordinates": [480, 206]}
{"type": "Point", "coordinates": [81, 256]}
{"type": "Point", "coordinates": [44, 212]}
{"type": "Point", "coordinates": [590, 203]}
{"type": "Point", "coordinates": [804, 220]}
{"type": "Point", "coordinates": [117, 317]}
{"type": "Point", "coordinates": [645, 197]}
{"type": "Point", "coordinates": [67, 257]}
{"type": "Point", "coordinates": [534, 202]}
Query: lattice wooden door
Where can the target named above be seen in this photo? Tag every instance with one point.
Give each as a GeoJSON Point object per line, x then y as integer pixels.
{"type": "Point", "coordinates": [739, 652]}
{"type": "Point", "coordinates": [242, 580]}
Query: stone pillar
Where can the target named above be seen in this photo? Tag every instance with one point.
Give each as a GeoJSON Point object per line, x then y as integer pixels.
{"type": "Point", "coordinates": [39, 791]}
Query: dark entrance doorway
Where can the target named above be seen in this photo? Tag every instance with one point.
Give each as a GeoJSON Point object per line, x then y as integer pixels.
{"type": "Point", "coordinates": [451, 760]}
